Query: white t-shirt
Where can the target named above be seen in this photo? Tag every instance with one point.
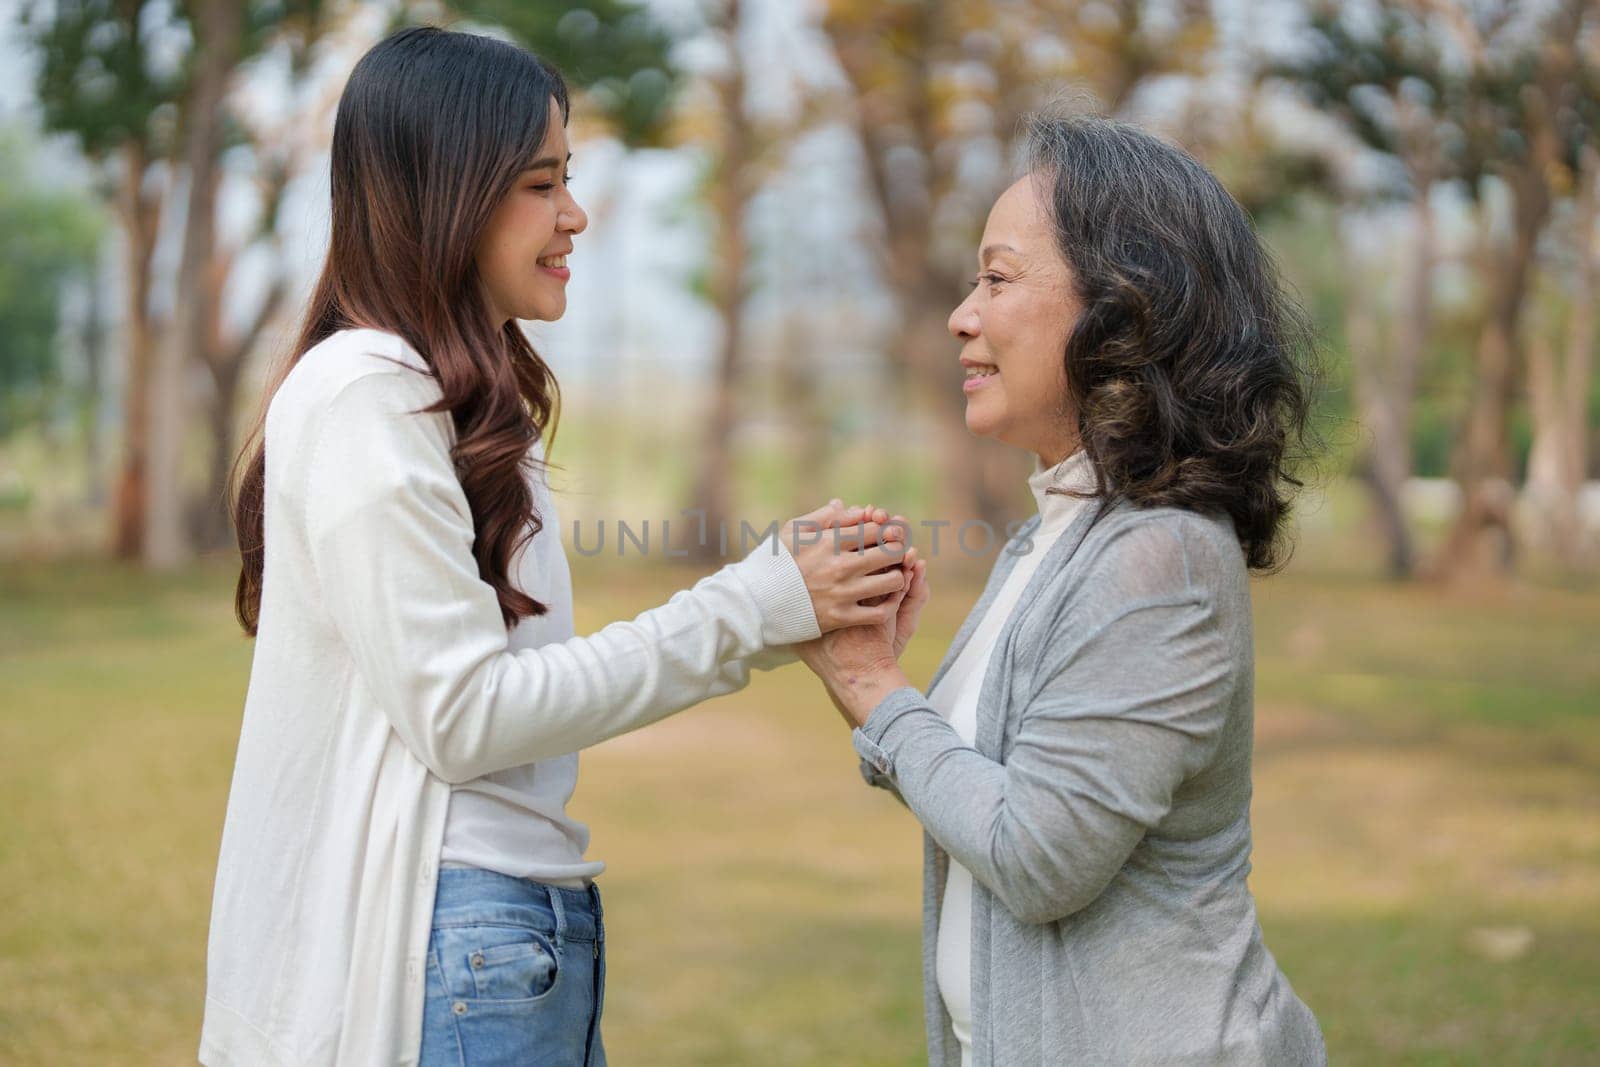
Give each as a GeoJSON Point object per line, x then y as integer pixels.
{"type": "Point", "coordinates": [515, 820]}
{"type": "Point", "coordinates": [956, 698]}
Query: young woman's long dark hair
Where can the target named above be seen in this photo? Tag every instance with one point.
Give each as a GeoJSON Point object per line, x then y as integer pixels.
{"type": "Point", "coordinates": [1190, 368]}
{"type": "Point", "coordinates": [432, 130]}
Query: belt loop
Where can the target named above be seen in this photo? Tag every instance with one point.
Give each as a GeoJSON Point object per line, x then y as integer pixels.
{"type": "Point", "coordinates": [559, 907]}
{"type": "Point", "coordinates": [594, 902]}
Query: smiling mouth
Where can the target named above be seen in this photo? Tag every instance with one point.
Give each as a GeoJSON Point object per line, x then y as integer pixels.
{"type": "Point", "coordinates": [553, 262]}
{"type": "Point", "coordinates": [986, 371]}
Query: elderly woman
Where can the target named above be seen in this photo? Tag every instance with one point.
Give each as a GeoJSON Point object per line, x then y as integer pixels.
{"type": "Point", "coordinates": [1081, 761]}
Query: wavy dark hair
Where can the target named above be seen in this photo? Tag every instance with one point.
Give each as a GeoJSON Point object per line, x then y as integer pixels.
{"type": "Point", "coordinates": [432, 130]}
{"type": "Point", "coordinates": [1190, 368]}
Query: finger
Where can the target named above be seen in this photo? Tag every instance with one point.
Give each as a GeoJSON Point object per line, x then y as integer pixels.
{"type": "Point", "coordinates": [918, 593]}
{"type": "Point", "coordinates": [832, 514]}
{"type": "Point", "coordinates": [871, 534]}
{"type": "Point", "coordinates": [876, 557]}
{"type": "Point", "coordinates": [874, 513]}
{"type": "Point", "coordinates": [873, 585]}
{"type": "Point", "coordinates": [874, 616]}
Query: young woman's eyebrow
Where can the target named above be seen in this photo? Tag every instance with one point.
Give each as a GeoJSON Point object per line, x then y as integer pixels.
{"type": "Point", "coordinates": [547, 161]}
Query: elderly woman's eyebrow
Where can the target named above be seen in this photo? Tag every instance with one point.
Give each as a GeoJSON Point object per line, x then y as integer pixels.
{"type": "Point", "coordinates": [992, 250]}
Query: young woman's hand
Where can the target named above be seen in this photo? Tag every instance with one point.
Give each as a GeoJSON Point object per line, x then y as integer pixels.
{"type": "Point", "coordinates": [851, 561]}
{"type": "Point", "coordinates": [858, 665]}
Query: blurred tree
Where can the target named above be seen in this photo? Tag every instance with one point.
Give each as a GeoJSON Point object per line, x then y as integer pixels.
{"type": "Point", "coordinates": [1500, 100]}
{"type": "Point", "coordinates": [47, 238]}
{"type": "Point", "coordinates": [730, 186]}
{"type": "Point", "coordinates": [106, 76]}
{"type": "Point", "coordinates": [614, 51]}
{"type": "Point", "coordinates": [1383, 77]}
{"type": "Point", "coordinates": [1529, 101]}
{"type": "Point", "coordinates": [125, 79]}
{"type": "Point", "coordinates": [938, 91]}
{"type": "Point", "coordinates": [218, 27]}
{"type": "Point", "coordinates": [1560, 377]}
{"type": "Point", "coordinates": [278, 149]}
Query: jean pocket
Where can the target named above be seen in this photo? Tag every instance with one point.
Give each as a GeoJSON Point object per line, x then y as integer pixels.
{"type": "Point", "coordinates": [508, 963]}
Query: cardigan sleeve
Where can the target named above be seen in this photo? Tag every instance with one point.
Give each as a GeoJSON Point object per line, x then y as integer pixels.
{"type": "Point", "coordinates": [1135, 708]}
{"type": "Point", "coordinates": [390, 537]}
{"type": "Point", "coordinates": [878, 780]}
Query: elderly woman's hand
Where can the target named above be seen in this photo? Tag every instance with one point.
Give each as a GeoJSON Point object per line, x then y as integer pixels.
{"type": "Point", "coordinates": [858, 665]}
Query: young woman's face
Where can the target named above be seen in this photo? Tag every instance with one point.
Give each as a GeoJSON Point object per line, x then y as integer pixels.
{"type": "Point", "coordinates": [1014, 328]}
{"type": "Point", "coordinates": [522, 255]}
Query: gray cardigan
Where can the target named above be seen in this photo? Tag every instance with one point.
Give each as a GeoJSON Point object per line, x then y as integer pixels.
{"type": "Point", "coordinates": [1105, 810]}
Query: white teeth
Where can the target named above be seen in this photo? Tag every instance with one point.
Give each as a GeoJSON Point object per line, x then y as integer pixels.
{"type": "Point", "coordinates": [553, 261]}
{"type": "Point", "coordinates": [981, 372]}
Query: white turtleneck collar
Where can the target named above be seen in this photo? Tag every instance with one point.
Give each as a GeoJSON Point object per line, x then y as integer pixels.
{"type": "Point", "coordinates": [1074, 472]}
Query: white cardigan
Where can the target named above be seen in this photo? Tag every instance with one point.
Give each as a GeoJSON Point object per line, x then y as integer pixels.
{"type": "Point", "coordinates": [383, 673]}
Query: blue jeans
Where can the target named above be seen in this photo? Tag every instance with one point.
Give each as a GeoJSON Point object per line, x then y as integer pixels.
{"type": "Point", "coordinates": [516, 974]}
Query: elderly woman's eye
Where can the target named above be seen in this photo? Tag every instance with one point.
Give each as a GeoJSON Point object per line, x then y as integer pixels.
{"type": "Point", "coordinates": [992, 279]}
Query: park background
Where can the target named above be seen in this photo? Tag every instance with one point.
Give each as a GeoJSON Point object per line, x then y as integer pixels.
{"type": "Point", "coordinates": [784, 200]}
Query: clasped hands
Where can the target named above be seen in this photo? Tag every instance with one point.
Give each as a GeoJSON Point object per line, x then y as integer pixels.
{"type": "Point", "coordinates": [868, 588]}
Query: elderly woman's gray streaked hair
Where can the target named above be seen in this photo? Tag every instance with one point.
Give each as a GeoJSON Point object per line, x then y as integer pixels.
{"type": "Point", "coordinates": [1189, 368]}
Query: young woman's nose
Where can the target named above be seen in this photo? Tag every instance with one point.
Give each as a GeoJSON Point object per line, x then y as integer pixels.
{"type": "Point", "coordinates": [572, 218]}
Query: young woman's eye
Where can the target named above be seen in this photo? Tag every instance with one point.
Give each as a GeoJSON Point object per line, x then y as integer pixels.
{"type": "Point", "coordinates": [545, 187]}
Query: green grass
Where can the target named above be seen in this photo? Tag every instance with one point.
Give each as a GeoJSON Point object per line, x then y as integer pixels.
{"type": "Point", "coordinates": [1428, 765]}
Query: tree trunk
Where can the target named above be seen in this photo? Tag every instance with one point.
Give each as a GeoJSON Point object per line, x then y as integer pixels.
{"type": "Point", "coordinates": [141, 219]}
{"type": "Point", "coordinates": [1385, 386]}
{"type": "Point", "coordinates": [214, 525]}
{"type": "Point", "coordinates": [802, 405]}
{"type": "Point", "coordinates": [730, 200]}
{"type": "Point", "coordinates": [1481, 544]}
{"type": "Point", "coordinates": [218, 25]}
{"type": "Point", "coordinates": [1377, 465]}
{"type": "Point", "coordinates": [1559, 389]}
{"type": "Point", "coordinates": [94, 358]}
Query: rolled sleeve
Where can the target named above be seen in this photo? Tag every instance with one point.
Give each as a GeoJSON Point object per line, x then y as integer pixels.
{"type": "Point", "coordinates": [871, 738]}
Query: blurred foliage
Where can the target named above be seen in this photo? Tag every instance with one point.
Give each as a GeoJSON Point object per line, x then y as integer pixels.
{"type": "Point", "coordinates": [1465, 70]}
{"type": "Point", "coordinates": [114, 70]}
{"type": "Point", "coordinates": [614, 51]}
{"type": "Point", "coordinates": [109, 71]}
{"type": "Point", "coordinates": [47, 236]}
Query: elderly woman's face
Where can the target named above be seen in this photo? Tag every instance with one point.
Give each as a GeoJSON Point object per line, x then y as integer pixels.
{"type": "Point", "coordinates": [1014, 328]}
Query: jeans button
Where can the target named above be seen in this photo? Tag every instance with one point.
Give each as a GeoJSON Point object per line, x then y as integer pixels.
{"type": "Point", "coordinates": [459, 1007]}
{"type": "Point", "coordinates": [477, 959]}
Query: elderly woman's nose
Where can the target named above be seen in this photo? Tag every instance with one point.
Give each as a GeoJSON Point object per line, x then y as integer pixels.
{"type": "Point", "coordinates": [963, 322]}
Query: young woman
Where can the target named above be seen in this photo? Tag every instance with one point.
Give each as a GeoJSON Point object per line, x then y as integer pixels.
{"type": "Point", "coordinates": [1081, 761]}
{"type": "Point", "coordinates": [399, 881]}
